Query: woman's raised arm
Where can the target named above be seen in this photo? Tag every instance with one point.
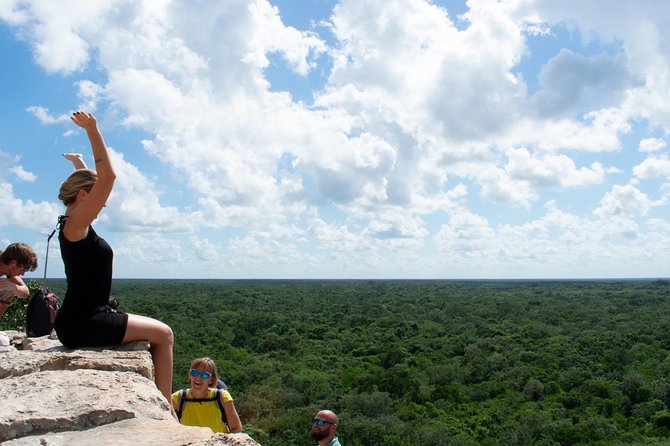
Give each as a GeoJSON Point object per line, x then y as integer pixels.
{"type": "Point", "coordinates": [89, 203]}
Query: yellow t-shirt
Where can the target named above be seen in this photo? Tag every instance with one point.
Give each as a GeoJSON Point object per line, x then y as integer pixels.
{"type": "Point", "coordinates": [202, 413]}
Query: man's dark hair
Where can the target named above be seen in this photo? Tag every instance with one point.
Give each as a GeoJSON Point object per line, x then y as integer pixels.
{"type": "Point", "coordinates": [22, 254]}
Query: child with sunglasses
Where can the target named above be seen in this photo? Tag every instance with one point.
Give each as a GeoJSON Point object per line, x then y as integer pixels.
{"type": "Point", "coordinates": [214, 409]}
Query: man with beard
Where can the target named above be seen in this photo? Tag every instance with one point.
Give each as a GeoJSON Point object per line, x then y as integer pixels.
{"type": "Point", "coordinates": [324, 428]}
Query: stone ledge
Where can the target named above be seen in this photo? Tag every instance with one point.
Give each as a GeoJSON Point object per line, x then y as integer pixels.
{"type": "Point", "coordinates": [55, 396]}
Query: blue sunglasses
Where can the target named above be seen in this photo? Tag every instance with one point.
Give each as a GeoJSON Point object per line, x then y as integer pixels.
{"type": "Point", "coordinates": [320, 421]}
{"type": "Point", "coordinates": [203, 375]}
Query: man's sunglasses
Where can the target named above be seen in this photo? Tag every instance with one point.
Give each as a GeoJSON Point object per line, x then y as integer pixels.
{"type": "Point", "coordinates": [203, 375]}
{"type": "Point", "coordinates": [320, 421]}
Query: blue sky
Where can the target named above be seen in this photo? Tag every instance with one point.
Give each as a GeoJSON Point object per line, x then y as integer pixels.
{"type": "Point", "coordinates": [347, 139]}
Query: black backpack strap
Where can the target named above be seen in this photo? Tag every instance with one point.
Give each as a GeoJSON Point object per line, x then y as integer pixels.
{"type": "Point", "coordinates": [182, 401]}
{"type": "Point", "coordinates": [61, 222]}
{"type": "Point", "coordinates": [218, 394]}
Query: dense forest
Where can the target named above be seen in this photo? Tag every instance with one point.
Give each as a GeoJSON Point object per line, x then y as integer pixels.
{"type": "Point", "coordinates": [427, 362]}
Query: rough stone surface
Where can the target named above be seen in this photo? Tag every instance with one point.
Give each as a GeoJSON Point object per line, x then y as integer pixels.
{"type": "Point", "coordinates": [227, 439]}
{"type": "Point", "coordinates": [54, 396]}
{"type": "Point", "coordinates": [133, 432]}
{"type": "Point", "coordinates": [23, 362]}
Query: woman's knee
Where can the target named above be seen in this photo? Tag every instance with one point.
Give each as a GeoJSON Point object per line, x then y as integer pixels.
{"type": "Point", "coordinates": [164, 333]}
{"type": "Point", "coordinates": [169, 335]}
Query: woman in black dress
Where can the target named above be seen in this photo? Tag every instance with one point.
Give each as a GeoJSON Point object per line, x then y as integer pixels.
{"type": "Point", "coordinates": [86, 319]}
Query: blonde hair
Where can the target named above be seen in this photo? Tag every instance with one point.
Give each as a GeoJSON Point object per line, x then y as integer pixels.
{"type": "Point", "coordinates": [197, 363]}
{"type": "Point", "coordinates": [78, 180]}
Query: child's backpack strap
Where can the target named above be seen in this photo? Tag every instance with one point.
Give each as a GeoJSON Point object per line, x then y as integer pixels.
{"type": "Point", "coordinates": [218, 394]}
{"type": "Point", "coordinates": [182, 401]}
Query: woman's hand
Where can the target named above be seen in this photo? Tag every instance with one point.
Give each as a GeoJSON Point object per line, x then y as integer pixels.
{"type": "Point", "coordinates": [76, 159]}
{"type": "Point", "coordinates": [84, 120]}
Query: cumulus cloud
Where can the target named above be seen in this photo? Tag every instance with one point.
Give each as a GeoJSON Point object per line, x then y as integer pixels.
{"type": "Point", "coordinates": [416, 117]}
{"type": "Point", "coordinates": [467, 234]}
{"type": "Point", "coordinates": [89, 94]}
{"type": "Point", "coordinates": [58, 33]}
{"type": "Point", "coordinates": [22, 174]}
{"type": "Point", "coordinates": [550, 170]}
{"type": "Point", "coordinates": [571, 83]}
{"type": "Point", "coordinates": [16, 211]}
{"type": "Point", "coordinates": [45, 117]}
{"type": "Point", "coordinates": [26, 213]}
{"type": "Point", "coordinates": [653, 167]}
{"type": "Point", "coordinates": [652, 144]}
{"type": "Point", "coordinates": [625, 201]}
{"type": "Point", "coordinates": [135, 206]}
{"type": "Point", "coordinates": [144, 252]}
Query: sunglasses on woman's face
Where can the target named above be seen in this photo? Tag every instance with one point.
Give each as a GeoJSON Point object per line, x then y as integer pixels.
{"type": "Point", "coordinates": [204, 375]}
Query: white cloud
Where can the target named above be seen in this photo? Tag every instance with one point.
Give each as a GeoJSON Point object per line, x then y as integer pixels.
{"type": "Point", "coordinates": [297, 48]}
{"type": "Point", "coordinates": [573, 84]}
{"type": "Point", "coordinates": [336, 237]}
{"type": "Point", "coordinates": [413, 109]}
{"type": "Point", "coordinates": [205, 250]}
{"type": "Point", "coordinates": [641, 31]}
{"type": "Point", "coordinates": [625, 201]}
{"type": "Point", "coordinates": [45, 117]}
{"type": "Point", "coordinates": [550, 170]}
{"type": "Point", "coordinates": [557, 244]}
{"type": "Point", "coordinates": [467, 234]}
{"type": "Point", "coordinates": [58, 31]}
{"type": "Point", "coordinates": [26, 213]}
{"type": "Point", "coordinates": [135, 206]}
{"type": "Point", "coordinates": [653, 167]}
{"type": "Point", "coordinates": [89, 95]}
{"type": "Point", "coordinates": [652, 144]}
{"type": "Point", "coordinates": [22, 174]}
{"type": "Point", "coordinates": [498, 187]}
{"type": "Point", "coordinates": [19, 212]}
{"type": "Point", "coordinates": [146, 252]}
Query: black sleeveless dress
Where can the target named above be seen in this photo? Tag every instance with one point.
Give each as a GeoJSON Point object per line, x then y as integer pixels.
{"type": "Point", "coordinates": [86, 319]}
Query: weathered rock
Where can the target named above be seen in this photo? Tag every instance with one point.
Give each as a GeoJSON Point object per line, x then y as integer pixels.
{"type": "Point", "coordinates": [227, 439]}
{"type": "Point", "coordinates": [21, 362]}
{"type": "Point", "coordinates": [71, 400]}
{"type": "Point", "coordinates": [54, 396]}
{"type": "Point", "coordinates": [133, 432]}
{"type": "Point", "coordinates": [15, 337]}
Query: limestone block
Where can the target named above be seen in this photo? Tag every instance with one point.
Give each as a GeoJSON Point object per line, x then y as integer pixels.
{"type": "Point", "coordinates": [228, 440]}
{"type": "Point", "coordinates": [23, 362]}
{"type": "Point", "coordinates": [54, 396]}
{"type": "Point", "coordinates": [133, 432]}
{"type": "Point", "coordinates": [53, 401]}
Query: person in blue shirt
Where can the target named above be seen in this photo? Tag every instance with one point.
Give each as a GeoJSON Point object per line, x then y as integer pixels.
{"type": "Point", "coordinates": [324, 428]}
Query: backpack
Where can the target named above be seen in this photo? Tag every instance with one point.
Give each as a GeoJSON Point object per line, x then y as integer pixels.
{"type": "Point", "coordinates": [41, 312]}
{"type": "Point", "coordinates": [218, 396]}
{"type": "Point", "coordinates": [44, 304]}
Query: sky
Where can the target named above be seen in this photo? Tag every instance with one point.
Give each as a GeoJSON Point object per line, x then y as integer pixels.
{"type": "Point", "coordinates": [352, 139]}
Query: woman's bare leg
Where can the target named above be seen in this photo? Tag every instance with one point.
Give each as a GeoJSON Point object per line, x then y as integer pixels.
{"type": "Point", "coordinates": [159, 335]}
